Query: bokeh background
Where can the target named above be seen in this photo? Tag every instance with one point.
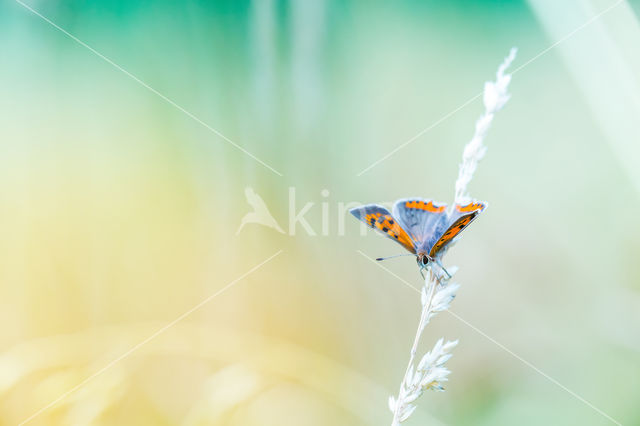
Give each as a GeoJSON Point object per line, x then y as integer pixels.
{"type": "Point", "coordinates": [119, 212]}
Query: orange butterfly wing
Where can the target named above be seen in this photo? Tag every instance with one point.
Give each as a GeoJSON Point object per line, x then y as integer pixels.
{"type": "Point", "coordinates": [379, 218]}
{"type": "Point", "coordinates": [461, 216]}
{"type": "Point", "coordinates": [421, 218]}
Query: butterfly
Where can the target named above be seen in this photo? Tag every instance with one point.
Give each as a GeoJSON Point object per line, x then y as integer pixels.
{"type": "Point", "coordinates": [421, 226]}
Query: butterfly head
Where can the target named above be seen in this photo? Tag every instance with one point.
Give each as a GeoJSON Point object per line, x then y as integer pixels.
{"type": "Point", "coordinates": [423, 259]}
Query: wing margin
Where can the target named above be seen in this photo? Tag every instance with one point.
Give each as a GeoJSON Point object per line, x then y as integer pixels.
{"type": "Point", "coordinates": [380, 219]}
{"type": "Point", "coordinates": [459, 218]}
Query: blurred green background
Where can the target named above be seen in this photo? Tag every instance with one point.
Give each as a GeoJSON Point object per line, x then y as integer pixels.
{"type": "Point", "coordinates": [119, 212]}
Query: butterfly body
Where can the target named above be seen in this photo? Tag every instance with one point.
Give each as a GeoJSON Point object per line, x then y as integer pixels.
{"type": "Point", "coordinates": [423, 227]}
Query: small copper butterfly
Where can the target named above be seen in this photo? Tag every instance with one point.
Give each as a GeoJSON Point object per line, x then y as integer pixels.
{"type": "Point", "coordinates": [421, 226]}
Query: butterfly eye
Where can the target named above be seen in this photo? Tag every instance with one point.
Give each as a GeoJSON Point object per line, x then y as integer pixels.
{"type": "Point", "coordinates": [425, 260]}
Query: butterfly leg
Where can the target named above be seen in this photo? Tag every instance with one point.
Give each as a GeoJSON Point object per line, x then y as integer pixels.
{"type": "Point", "coordinates": [444, 269]}
{"type": "Point", "coordinates": [437, 262]}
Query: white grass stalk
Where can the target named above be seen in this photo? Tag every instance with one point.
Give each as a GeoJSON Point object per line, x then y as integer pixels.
{"type": "Point", "coordinates": [430, 372]}
{"type": "Point", "coordinates": [437, 294]}
{"type": "Point", "coordinates": [494, 98]}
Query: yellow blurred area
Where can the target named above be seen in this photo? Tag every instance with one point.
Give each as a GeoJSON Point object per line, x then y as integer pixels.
{"type": "Point", "coordinates": [210, 373]}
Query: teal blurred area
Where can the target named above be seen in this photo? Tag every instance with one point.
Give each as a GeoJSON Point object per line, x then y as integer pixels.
{"type": "Point", "coordinates": [128, 142]}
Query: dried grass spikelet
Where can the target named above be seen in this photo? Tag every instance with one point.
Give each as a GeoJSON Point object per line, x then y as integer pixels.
{"type": "Point", "coordinates": [437, 294]}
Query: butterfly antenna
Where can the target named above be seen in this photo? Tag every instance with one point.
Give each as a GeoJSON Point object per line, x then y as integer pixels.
{"type": "Point", "coordinates": [379, 259]}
